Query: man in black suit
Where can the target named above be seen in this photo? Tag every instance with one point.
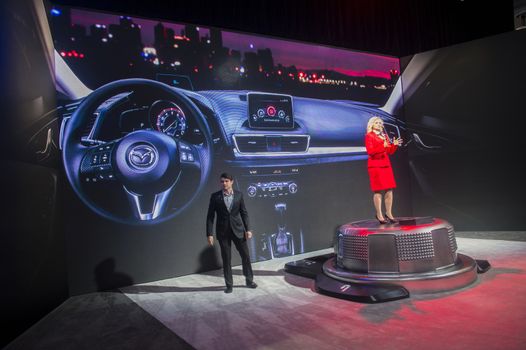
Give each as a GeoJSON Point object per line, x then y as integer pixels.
{"type": "Point", "coordinates": [232, 226]}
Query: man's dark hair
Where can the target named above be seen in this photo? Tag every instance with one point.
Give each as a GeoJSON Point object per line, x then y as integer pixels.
{"type": "Point", "coordinates": [226, 176]}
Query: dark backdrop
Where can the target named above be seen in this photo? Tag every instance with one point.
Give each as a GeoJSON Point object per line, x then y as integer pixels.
{"type": "Point", "coordinates": [32, 251]}
{"type": "Point", "coordinates": [397, 28]}
{"type": "Point", "coordinates": [468, 109]}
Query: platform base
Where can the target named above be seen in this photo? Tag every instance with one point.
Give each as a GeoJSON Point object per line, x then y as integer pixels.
{"type": "Point", "coordinates": [460, 275]}
{"type": "Point", "coordinates": [340, 283]}
{"type": "Point", "coordinates": [358, 292]}
{"type": "Point", "coordinates": [309, 267]}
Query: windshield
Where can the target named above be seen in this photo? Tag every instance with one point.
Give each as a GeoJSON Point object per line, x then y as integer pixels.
{"type": "Point", "coordinates": [101, 48]}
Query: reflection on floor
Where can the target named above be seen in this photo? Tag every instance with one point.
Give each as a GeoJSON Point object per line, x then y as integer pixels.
{"type": "Point", "coordinates": [285, 313]}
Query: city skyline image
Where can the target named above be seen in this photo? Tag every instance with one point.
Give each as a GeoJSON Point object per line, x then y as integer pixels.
{"type": "Point", "coordinates": [102, 46]}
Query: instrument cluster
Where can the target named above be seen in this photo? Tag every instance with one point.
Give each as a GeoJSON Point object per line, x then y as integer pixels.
{"type": "Point", "coordinates": [168, 118]}
{"type": "Point", "coordinates": [163, 116]}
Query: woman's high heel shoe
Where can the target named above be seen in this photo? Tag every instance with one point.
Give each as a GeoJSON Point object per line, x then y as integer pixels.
{"type": "Point", "coordinates": [383, 222]}
{"type": "Point", "coordinates": [391, 220]}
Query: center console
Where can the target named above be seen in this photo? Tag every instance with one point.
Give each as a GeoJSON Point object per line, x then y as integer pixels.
{"type": "Point", "coordinates": [270, 111]}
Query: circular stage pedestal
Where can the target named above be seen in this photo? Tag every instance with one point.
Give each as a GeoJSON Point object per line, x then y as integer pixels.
{"type": "Point", "coordinates": [418, 254]}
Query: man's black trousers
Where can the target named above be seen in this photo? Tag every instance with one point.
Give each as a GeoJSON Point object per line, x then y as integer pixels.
{"type": "Point", "coordinates": [225, 242]}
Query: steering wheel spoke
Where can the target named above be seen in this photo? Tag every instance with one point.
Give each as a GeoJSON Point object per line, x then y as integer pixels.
{"type": "Point", "coordinates": [147, 207]}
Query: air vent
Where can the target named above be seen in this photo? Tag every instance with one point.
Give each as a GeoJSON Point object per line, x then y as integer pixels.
{"type": "Point", "coordinates": [294, 144]}
{"type": "Point", "coordinates": [251, 144]}
{"type": "Point", "coordinates": [88, 129]}
{"type": "Point", "coordinates": [271, 143]}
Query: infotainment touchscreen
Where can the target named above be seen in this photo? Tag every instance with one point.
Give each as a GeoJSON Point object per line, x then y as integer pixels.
{"type": "Point", "coordinates": [270, 111]}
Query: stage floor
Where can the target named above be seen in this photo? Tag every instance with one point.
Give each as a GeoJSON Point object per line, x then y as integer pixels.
{"type": "Point", "coordinates": [285, 313]}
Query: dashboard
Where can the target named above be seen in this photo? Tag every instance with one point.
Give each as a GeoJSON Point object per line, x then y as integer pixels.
{"type": "Point", "coordinates": [155, 140]}
{"type": "Point", "coordinates": [316, 131]}
{"type": "Point", "coordinates": [254, 128]}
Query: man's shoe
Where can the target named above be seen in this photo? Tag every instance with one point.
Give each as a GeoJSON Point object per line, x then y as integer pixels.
{"type": "Point", "coordinates": [228, 289]}
{"type": "Point", "coordinates": [252, 285]}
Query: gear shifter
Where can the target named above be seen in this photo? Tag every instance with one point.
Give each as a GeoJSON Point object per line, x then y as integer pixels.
{"type": "Point", "coordinates": [281, 243]}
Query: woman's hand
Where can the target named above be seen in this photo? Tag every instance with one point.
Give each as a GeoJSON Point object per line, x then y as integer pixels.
{"type": "Point", "coordinates": [398, 142]}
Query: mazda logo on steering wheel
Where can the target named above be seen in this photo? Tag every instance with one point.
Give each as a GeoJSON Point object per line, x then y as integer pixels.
{"type": "Point", "coordinates": [142, 157]}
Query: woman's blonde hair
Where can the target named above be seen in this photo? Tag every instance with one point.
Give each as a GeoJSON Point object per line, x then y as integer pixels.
{"type": "Point", "coordinates": [371, 122]}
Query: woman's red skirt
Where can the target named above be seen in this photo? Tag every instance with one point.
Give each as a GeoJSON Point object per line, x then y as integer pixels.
{"type": "Point", "coordinates": [381, 178]}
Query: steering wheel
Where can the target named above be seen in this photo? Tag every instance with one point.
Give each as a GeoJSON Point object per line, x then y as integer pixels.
{"type": "Point", "coordinates": [147, 164]}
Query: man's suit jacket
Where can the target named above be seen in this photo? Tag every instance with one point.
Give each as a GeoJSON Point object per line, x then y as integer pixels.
{"type": "Point", "coordinates": [236, 219]}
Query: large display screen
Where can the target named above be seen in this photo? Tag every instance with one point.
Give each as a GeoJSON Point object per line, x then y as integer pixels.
{"type": "Point", "coordinates": [184, 103]}
{"type": "Point", "coordinates": [269, 111]}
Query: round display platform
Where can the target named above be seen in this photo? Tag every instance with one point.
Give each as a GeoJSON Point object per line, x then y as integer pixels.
{"type": "Point", "coordinates": [419, 254]}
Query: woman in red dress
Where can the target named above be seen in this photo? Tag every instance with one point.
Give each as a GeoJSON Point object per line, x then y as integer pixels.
{"type": "Point", "coordinates": [379, 147]}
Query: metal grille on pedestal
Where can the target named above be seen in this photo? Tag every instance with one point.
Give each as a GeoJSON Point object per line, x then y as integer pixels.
{"type": "Point", "coordinates": [418, 253]}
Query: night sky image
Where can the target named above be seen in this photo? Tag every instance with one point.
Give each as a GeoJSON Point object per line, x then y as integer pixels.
{"type": "Point", "coordinates": [102, 47]}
